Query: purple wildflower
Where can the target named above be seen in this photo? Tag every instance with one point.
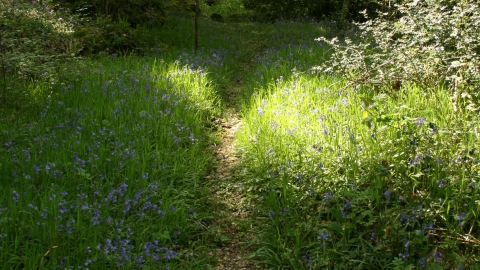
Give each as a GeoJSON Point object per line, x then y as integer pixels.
{"type": "Point", "coordinates": [422, 262]}
{"type": "Point", "coordinates": [437, 256]}
{"type": "Point", "coordinates": [461, 216]}
{"type": "Point", "coordinates": [323, 236]}
{"type": "Point", "coordinates": [15, 196]}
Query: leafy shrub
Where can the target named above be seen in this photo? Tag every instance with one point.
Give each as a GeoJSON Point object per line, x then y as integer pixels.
{"type": "Point", "coordinates": [182, 7]}
{"type": "Point", "coordinates": [35, 39]}
{"type": "Point", "coordinates": [431, 44]}
{"type": "Point", "coordinates": [216, 17]}
{"type": "Point", "coordinates": [110, 26]}
{"type": "Point", "coordinates": [210, 2]}
{"type": "Point", "coordinates": [238, 17]}
{"type": "Point", "coordinates": [316, 9]}
{"type": "Point", "coordinates": [136, 12]}
{"type": "Point", "coordinates": [265, 13]}
{"type": "Point", "coordinates": [106, 35]}
{"type": "Point", "coordinates": [231, 10]}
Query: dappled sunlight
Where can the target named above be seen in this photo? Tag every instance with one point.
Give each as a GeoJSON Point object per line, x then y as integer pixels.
{"type": "Point", "coordinates": [250, 153]}
{"type": "Point", "coordinates": [351, 167]}
{"type": "Point", "coordinates": [118, 148]}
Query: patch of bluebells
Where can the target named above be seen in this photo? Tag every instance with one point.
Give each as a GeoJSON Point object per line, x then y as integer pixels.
{"type": "Point", "coordinates": [415, 214]}
{"type": "Point", "coordinates": [307, 259]}
{"type": "Point", "coordinates": [422, 262]}
{"type": "Point", "coordinates": [406, 252]}
{"type": "Point", "coordinates": [387, 195]}
{"type": "Point", "coordinates": [98, 152]}
{"type": "Point", "coordinates": [346, 206]}
{"type": "Point", "coordinates": [428, 228]}
{"type": "Point", "coordinates": [461, 218]}
{"type": "Point", "coordinates": [437, 256]}
{"type": "Point", "coordinates": [441, 183]}
{"type": "Point", "coordinates": [328, 195]}
{"type": "Point", "coordinates": [323, 237]}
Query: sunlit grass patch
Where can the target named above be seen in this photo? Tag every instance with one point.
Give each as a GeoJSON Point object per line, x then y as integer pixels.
{"type": "Point", "coordinates": [358, 178]}
{"type": "Point", "coordinates": [107, 175]}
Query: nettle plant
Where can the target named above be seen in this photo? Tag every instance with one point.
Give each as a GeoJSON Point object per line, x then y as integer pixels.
{"type": "Point", "coordinates": [430, 43]}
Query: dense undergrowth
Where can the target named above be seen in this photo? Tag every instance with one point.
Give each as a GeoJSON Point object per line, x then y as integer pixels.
{"type": "Point", "coordinates": [105, 167]}
{"type": "Point", "coordinates": [107, 172]}
{"type": "Point", "coordinates": [351, 173]}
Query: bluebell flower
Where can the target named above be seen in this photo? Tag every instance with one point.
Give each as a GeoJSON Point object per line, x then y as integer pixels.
{"type": "Point", "coordinates": [323, 236]}
{"type": "Point", "coordinates": [328, 195]}
{"type": "Point", "coordinates": [420, 121]}
{"type": "Point", "coordinates": [347, 204]}
{"type": "Point", "coordinates": [441, 183]}
{"type": "Point", "coordinates": [15, 196]}
{"type": "Point", "coordinates": [43, 214]}
{"type": "Point", "coordinates": [461, 216]}
{"type": "Point", "coordinates": [308, 259]}
{"type": "Point", "coordinates": [422, 262]}
{"type": "Point", "coordinates": [170, 255]}
{"type": "Point", "coordinates": [437, 256]}
{"type": "Point", "coordinates": [285, 210]}
{"type": "Point", "coordinates": [416, 160]}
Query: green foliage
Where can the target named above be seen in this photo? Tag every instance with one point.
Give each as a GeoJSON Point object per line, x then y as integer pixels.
{"type": "Point", "coordinates": [182, 7]}
{"type": "Point", "coordinates": [111, 26]}
{"type": "Point", "coordinates": [231, 10]}
{"type": "Point", "coordinates": [135, 12]}
{"type": "Point", "coordinates": [238, 17]}
{"type": "Point", "coordinates": [430, 44]}
{"type": "Point", "coordinates": [379, 176]}
{"type": "Point", "coordinates": [211, 2]}
{"type": "Point", "coordinates": [351, 177]}
{"type": "Point", "coordinates": [319, 9]}
{"type": "Point", "coordinates": [35, 39]}
{"type": "Point", "coordinates": [340, 192]}
{"type": "Point", "coordinates": [265, 13]}
{"type": "Point", "coordinates": [110, 171]}
{"type": "Point", "coordinates": [217, 17]}
{"type": "Point", "coordinates": [107, 35]}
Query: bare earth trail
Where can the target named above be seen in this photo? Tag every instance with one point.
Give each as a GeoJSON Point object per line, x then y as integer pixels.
{"type": "Point", "coordinates": [232, 213]}
{"type": "Point", "coordinates": [231, 225]}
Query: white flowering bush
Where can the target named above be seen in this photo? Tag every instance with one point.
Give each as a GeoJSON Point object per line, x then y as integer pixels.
{"type": "Point", "coordinates": [427, 43]}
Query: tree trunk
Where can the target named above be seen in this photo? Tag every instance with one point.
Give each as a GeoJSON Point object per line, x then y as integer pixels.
{"type": "Point", "coordinates": [197, 11]}
{"type": "Point", "coordinates": [343, 16]}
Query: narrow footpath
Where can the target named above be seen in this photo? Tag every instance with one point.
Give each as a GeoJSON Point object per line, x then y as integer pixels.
{"type": "Point", "coordinates": [232, 211]}
{"type": "Point", "coordinates": [228, 193]}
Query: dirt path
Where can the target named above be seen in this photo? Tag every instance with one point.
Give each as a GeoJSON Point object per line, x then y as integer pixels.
{"type": "Point", "coordinates": [231, 209]}
{"type": "Point", "coordinates": [232, 224]}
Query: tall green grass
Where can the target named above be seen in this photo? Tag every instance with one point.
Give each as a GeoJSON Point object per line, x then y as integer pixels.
{"type": "Point", "coordinates": [107, 174]}
{"type": "Point", "coordinates": [348, 179]}
{"type": "Point", "coordinates": [107, 169]}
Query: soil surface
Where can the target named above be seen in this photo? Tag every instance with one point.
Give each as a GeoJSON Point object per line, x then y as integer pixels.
{"type": "Point", "coordinates": [231, 208]}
